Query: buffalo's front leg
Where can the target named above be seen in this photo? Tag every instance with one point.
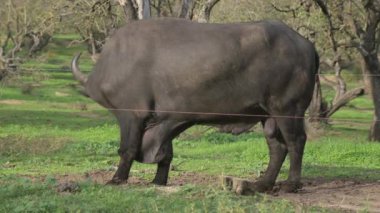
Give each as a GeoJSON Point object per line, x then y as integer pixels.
{"type": "Point", "coordinates": [131, 129]}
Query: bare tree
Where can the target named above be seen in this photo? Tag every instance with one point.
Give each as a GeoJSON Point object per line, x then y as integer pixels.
{"type": "Point", "coordinates": [336, 61]}
{"type": "Point", "coordinates": [141, 9]}
{"type": "Point", "coordinates": [334, 55]}
{"type": "Point", "coordinates": [96, 20]}
{"type": "Point", "coordinates": [136, 9]}
{"type": "Point", "coordinates": [187, 9]}
{"type": "Point", "coordinates": [25, 26]}
{"type": "Point", "coordinates": [360, 22]}
{"type": "Point", "coordinates": [368, 46]}
{"type": "Point", "coordinates": [205, 12]}
{"type": "Point", "coordinates": [93, 20]}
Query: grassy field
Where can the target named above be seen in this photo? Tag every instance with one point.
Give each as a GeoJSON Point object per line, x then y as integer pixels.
{"type": "Point", "coordinates": [49, 133]}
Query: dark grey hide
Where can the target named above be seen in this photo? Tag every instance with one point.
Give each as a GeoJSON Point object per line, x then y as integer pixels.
{"type": "Point", "coordinates": [172, 71]}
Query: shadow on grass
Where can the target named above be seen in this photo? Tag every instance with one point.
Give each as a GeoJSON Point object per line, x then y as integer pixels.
{"type": "Point", "coordinates": [64, 120]}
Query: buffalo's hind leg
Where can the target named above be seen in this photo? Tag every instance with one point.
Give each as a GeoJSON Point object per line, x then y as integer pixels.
{"type": "Point", "coordinates": [277, 154]}
{"type": "Point", "coordinates": [163, 167]}
{"type": "Point", "coordinates": [164, 134]}
{"type": "Point", "coordinates": [293, 132]}
{"type": "Point", "coordinates": [131, 130]}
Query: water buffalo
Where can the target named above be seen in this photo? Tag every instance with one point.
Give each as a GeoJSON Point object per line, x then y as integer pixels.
{"type": "Point", "coordinates": [159, 77]}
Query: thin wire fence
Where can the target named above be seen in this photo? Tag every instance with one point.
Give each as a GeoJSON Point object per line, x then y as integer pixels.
{"type": "Point", "coordinates": [68, 69]}
{"type": "Point", "coordinates": [340, 120]}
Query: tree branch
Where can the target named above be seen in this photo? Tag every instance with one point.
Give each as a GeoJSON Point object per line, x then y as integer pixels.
{"type": "Point", "coordinates": [288, 10]}
{"type": "Point", "coordinates": [327, 81]}
{"type": "Point", "coordinates": [346, 98]}
{"type": "Point", "coordinates": [186, 9]}
{"type": "Point", "coordinates": [205, 13]}
{"type": "Point", "coordinates": [130, 12]}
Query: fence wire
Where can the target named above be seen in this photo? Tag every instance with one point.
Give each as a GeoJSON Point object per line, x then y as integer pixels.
{"type": "Point", "coordinates": [340, 120]}
{"type": "Point", "coordinates": [68, 69]}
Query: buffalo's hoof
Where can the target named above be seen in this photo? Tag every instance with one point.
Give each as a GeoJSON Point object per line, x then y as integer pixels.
{"type": "Point", "coordinates": [116, 181]}
{"type": "Point", "coordinates": [290, 186]}
{"type": "Point", "coordinates": [159, 182]}
{"type": "Point", "coordinates": [263, 186]}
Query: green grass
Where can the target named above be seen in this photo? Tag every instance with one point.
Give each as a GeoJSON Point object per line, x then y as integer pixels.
{"type": "Point", "coordinates": [51, 130]}
{"type": "Point", "coordinates": [23, 195]}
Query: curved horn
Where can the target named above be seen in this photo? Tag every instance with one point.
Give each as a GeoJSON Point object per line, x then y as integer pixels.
{"type": "Point", "coordinates": [78, 75]}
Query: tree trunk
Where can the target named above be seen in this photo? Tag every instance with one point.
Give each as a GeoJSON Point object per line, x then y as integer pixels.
{"type": "Point", "coordinates": [368, 48]}
{"type": "Point", "coordinates": [129, 10]}
{"type": "Point", "coordinates": [373, 66]}
{"type": "Point", "coordinates": [186, 10]}
{"type": "Point", "coordinates": [2, 65]}
{"type": "Point", "coordinates": [94, 52]}
{"type": "Point", "coordinates": [366, 77]}
{"type": "Point", "coordinates": [340, 89]}
{"type": "Point", "coordinates": [143, 11]}
{"type": "Point", "coordinates": [2, 60]}
{"type": "Point", "coordinates": [205, 13]}
{"type": "Point", "coordinates": [374, 134]}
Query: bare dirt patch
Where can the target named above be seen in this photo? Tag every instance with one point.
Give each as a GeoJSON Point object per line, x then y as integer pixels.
{"type": "Point", "coordinates": [339, 194]}
{"type": "Point", "coordinates": [194, 178]}
{"type": "Point", "coordinates": [102, 177]}
{"type": "Point", "coordinates": [346, 195]}
{"type": "Point", "coordinates": [11, 102]}
{"type": "Point", "coordinates": [61, 94]}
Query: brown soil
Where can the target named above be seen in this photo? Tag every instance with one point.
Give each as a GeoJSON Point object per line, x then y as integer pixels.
{"type": "Point", "coordinates": [11, 102]}
{"type": "Point", "coordinates": [102, 177]}
{"type": "Point", "coordinates": [61, 94]}
{"type": "Point", "coordinates": [345, 195]}
{"type": "Point", "coordinates": [341, 195]}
